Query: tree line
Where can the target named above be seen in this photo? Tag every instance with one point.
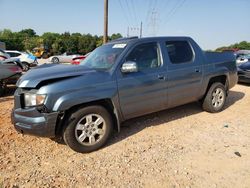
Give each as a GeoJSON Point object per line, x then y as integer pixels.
{"type": "Point", "coordinates": [244, 45]}
{"type": "Point", "coordinates": [27, 40]}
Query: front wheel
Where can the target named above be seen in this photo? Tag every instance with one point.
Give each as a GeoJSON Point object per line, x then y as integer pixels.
{"type": "Point", "coordinates": [215, 98]}
{"type": "Point", "coordinates": [88, 129]}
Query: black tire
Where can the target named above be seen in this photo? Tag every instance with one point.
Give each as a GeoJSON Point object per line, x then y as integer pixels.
{"type": "Point", "coordinates": [210, 101]}
{"type": "Point", "coordinates": [55, 60]}
{"type": "Point", "coordinates": [70, 132]}
{"type": "Point", "coordinates": [26, 66]}
{"type": "Point", "coordinates": [2, 89]}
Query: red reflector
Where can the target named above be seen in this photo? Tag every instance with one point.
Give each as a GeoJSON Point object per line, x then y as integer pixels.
{"type": "Point", "coordinates": [15, 69]}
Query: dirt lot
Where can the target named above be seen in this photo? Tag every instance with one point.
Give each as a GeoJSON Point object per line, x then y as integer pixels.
{"type": "Point", "coordinates": [181, 147]}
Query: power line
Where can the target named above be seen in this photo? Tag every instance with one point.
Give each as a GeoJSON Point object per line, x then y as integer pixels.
{"type": "Point", "coordinates": [148, 12]}
{"type": "Point", "coordinates": [153, 23]}
{"type": "Point", "coordinates": [134, 11]}
{"type": "Point", "coordinates": [165, 5]}
{"type": "Point", "coordinates": [155, 5]}
{"type": "Point", "coordinates": [124, 13]}
{"type": "Point", "coordinates": [150, 21]}
{"type": "Point", "coordinates": [174, 10]}
{"type": "Point", "coordinates": [129, 10]}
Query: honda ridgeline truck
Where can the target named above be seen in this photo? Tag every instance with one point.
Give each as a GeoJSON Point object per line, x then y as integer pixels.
{"type": "Point", "coordinates": [120, 80]}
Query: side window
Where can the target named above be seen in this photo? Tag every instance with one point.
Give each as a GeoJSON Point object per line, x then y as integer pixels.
{"type": "Point", "coordinates": [179, 51]}
{"type": "Point", "coordinates": [146, 56]}
{"type": "Point", "coordinates": [13, 54]}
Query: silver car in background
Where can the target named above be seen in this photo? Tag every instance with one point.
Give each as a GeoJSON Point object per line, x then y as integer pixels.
{"type": "Point", "coordinates": [64, 58]}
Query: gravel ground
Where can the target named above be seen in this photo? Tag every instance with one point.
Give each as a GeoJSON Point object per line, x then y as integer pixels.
{"type": "Point", "coordinates": [180, 147]}
{"type": "Point", "coordinates": [42, 61]}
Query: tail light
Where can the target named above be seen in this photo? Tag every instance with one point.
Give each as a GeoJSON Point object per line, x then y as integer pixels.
{"type": "Point", "coordinates": [75, 62]}
{"type": "Point", "coordinates": [3, 57]}
{"type": "Point", "coordinates": [15, 69]}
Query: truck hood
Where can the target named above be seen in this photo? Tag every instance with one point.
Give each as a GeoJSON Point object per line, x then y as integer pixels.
{"type": "Point", "coordinates": [48, 72]}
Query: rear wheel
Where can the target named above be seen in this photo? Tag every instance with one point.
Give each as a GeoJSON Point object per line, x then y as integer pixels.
{"type": "Point", "coordinates": [26, 66]}
{"type": "Point", "coordinates": [55, 60]}
{"type": "Point", "coordinates": [88, 129]}
{"type": "Point", "coordinates": [215, 98]}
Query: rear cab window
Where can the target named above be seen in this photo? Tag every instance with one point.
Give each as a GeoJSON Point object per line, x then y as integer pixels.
{"type": "Point", "coordinates": [179, 52]}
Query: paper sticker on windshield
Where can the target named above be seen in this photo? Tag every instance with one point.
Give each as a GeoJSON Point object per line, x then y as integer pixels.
{"type": "Point", "coordinates": [119, 45]}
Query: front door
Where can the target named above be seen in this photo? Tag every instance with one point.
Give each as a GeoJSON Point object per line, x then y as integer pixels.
{"type": "Point", "coordinates": [144, 91]}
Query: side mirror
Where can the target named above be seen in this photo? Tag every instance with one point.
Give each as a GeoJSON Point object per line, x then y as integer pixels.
{"type": "Point", "coordinates": [129, 66]}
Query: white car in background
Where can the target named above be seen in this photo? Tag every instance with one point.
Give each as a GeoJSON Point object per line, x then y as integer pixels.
{"type": "Point", "coordinates": [28, 60]}
{"type": "Point", "coordinates": [3, 55]}
{"type": "Point", "coordinates": [64, 58]}
{"type": "Point", "coordinates": [243, 59]}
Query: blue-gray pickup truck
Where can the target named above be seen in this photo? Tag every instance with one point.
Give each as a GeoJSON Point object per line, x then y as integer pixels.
{"type": "Point", "coordinates": [120, 80]}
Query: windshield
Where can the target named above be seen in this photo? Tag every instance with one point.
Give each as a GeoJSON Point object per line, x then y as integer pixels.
{"type": "Point", "coordinates": [103, 57]}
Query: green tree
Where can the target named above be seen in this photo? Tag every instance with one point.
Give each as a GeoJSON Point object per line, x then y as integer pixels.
{"type": "Point", "coordinates": [244, 45]}
{"type": "Point", "coordinates": [32, 42]}
{"type": "Point", "coordinates": [58, 46]}
{"type": "Point", "coordinates": [115, 36]}
{"type": "Point", "coordinates": [49, 38]}
{"type": "Point", "coordinates": [28, 32]}
{"type": "Point", "coordinates": [13, 40]}
{"type": "Point", "coordinates": [87, 43]}
{"type": "Point", "coordinates": [27, 39]}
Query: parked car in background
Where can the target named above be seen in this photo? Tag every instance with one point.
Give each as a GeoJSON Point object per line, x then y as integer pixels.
{"type": "Point", "coordinates": [244, 72]}
{"type": "Point", "coordinates": [16, 61]}
{"type": "Point", "coordinates": [79, 59]}
{"type": "Point", "coordinates": [242, 58]}
{"type": "Point", "coordinates": [9, 74]}
{"type": "Point", "coordinates": [64, 58]}
{"type": "Point", "coordinates": [3, 55]}
{"type": "Point", "coordinates": [28, 60]}
{"type": "Point", "coordinates": [118, 81]}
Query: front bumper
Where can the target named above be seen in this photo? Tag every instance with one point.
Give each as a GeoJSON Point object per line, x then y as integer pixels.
{"type": "Point", "coordinates": [31, 121]}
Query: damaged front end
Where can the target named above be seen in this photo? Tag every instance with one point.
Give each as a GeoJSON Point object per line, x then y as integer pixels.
{"type": "Point", "coordinates": [32, 113]}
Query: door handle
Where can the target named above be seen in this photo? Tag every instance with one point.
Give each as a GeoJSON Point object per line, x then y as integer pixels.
{"type": "Point", "coordinates": [197, 70]}
{"type": "Point", "coordinates": [161, 77]}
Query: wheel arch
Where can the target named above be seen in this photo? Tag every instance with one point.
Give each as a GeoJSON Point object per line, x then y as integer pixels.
{"type": "Point", "coordinates": [219, 78]}
{"type": "Point", "coordinates": [106, 103]}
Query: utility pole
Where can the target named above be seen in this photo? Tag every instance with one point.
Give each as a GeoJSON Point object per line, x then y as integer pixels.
{"type": "Point", "coordinates": [105, 35]}
{"type": "Point", "coordinates": [141, 30]}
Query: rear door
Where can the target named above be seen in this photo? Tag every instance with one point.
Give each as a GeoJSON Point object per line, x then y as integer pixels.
{"type": "Point", "coordinates": [184, 72]}
{"type": "Point", "coordinates": [144, 91]}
